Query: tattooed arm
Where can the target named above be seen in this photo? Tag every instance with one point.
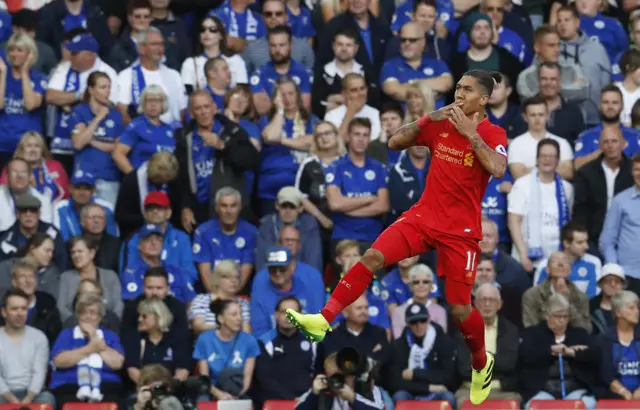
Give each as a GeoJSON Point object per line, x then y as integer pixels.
{"type": "Point", "coordinates": [405, 136]}
{"type": "Point", "coordinates": [494, 162]}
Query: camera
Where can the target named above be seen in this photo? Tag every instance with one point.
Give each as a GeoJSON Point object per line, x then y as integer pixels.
{"type": "Point", "coordinates": [185, 391]}
{"type": "Point", "coordinates": [350, 363]}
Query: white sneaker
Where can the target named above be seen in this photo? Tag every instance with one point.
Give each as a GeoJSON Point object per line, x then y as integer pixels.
{"type": "Point", "coordinates": [96, 395]}
{"type": "Point", "coordinates": [84, 393]}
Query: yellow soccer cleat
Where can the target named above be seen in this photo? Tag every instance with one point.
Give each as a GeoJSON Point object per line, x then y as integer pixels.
{"type": "Point", "coordinates": [481, 381]}
{"type": "Point", "coordinates": [315, 327]}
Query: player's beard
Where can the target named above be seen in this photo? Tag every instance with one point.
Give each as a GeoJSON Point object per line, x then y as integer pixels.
{"type": "Point", "coordinates": [609, 119]}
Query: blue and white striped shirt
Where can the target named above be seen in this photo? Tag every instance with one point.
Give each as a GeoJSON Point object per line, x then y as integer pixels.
{"type": "Point", "coordinates": [200, 308]}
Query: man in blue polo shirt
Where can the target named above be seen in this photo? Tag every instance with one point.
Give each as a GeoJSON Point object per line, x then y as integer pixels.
{"type": "Point", "coordinates": [587, 145]}
{"type": "Point", "coordinates": [150, 247]}
{"type": "Point", "coordinates": [242, 23]}
{"type": "Point", "coordinates": [176, 249]}
{"type": "Point", "coordinates": [585, 268]}
{"type": "Point", "coordinates": [284, 280]}
{"type": "Point", "coordinates": [66, 213]}
{"type": "Point", "coordinates": [226, 237]}
{"type": "Point", "coordinates": [357, 189]}
{"type": "Point", "coordinates": [264, 78]}
{"type": "Point", "coordinates": [398, 74]}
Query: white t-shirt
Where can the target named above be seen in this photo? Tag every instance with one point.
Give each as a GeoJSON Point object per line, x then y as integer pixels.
{"type": "Point", "coordinates": [523, 149]}
{"type": "Point", "coordinates": [628, 99]}
{"type": "Point", "coordinates": [336, 116]}
{"type": "Point", "coordinates": [58, 79]}
{"type": "Point", "coordinates": [520, 203]}
{"type": "Point", "coordinates": [165, 77]}
{"type": "Point", "coordinates": [237, 66]}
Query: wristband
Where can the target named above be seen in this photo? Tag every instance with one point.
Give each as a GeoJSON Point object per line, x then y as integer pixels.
{"type": "Point", "coordinates": [423, 121]}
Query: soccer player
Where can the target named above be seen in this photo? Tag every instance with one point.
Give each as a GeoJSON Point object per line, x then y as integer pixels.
{"type": "Point", "coordinates": [466, 150]}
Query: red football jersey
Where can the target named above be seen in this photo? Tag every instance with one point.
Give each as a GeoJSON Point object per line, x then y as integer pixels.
{"type": "Point", "coordinates": [456, 181]}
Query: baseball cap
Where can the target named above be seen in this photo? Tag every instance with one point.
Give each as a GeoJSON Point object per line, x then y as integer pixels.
{"type": "Point", "coordinates": [416, 312]}
{"type": "Point", "coordinates": [278, 256]}
{"type": "Point", "coordinates": [612, 269]}
{"type": "Point", "coordinates": [27, 201]}
{"type": "Point", "coordinates": [289, 195]}
{"type": "Point", "coordinates": [150, 229]}
{"type": "Point", "coordinates": [83, 42]}
{"type": "Point", "coordinates": [83, 178]}
{"type": "Point", "coordinates": [157, 198]}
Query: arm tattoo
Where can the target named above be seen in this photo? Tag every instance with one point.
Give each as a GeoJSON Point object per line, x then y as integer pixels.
{"type": "Point", "coordinates": [404, 137]}
{"type": "Point", "coordinates": [437, 115]}
{"type": "Point", "coordinates": [492, 161]}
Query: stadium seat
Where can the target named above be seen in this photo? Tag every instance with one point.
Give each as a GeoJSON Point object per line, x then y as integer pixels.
{"type": "Point", "coordinates": [556, 405]}
{"type": "Point", "coordinates": [32, 406]}
{"type": "Point", "coordinates": [492, 405]}
{"type": "Point", "coordinates": [90, 406]}
{"type": "Point", "coordinates": [423, 405]}
{"type": "Point", "coordinates": [618, 404]}
{"type": "Point", "coordinates": [208, 405]}
{"type": "Point", "coordinates": [279, 405]}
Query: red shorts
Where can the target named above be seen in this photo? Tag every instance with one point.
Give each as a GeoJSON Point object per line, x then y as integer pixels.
{"type": "Point", "coordinates": [457, 255]}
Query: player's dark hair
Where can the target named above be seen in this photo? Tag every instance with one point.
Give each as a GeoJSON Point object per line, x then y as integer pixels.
{"type": "Point", "coordinates": [569, 8]}
{"type": "Point", "coordinates": [551, 65]}
{"type": "Point", "coordinates": [536, 100]}
{"type": "Point", "coordinates": [14, 292]}
{"type": "Point", "coordinates": [282, 29]}
{"type": "Point", "coordinates": [156, 272]}
{"type": "Point", "coordinates": [392, 106]}
{"type": "Point", "coordinates": [610, 88]}
{"type": "Point", "coordinates": [486, 79]}
{"type": "Point", "coordinates": [359, 122]}
{"type": "Point", "coordinates": [548, 141]}
{"type": "Point", "coordinates": [418, 3]}
{"type": "Point", "coordinates": [570, 229]}
{"type": "Point", "coordinates": [635, 158]}
{"type": "Point", "coordinates": [348, 32]}
{"type": "Point", "coordinates": [219, 306]}
{"type": "Point", "coordinates": [289, 298]}
{"type": "Point", "coordinates": [630, 61]}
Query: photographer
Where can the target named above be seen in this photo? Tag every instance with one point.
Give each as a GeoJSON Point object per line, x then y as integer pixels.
{"type": "Point", "coordinates": [152, 379]}
{"type": "Point", "coordinates": [337, 391]}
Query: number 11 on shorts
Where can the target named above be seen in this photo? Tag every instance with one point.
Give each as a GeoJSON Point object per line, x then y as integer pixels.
{"type": "Point", "coordinates": [471, 260]}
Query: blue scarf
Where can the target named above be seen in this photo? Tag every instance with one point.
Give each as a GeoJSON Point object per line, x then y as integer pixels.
{"type": "Point", "coordinates": [535, 218]}
{"type": "Point", "coordinates": [62, 133]}
{"type": "Point", "coordinates": [137, 85]}
{"type": "Point", "coordinates": [44, 182]}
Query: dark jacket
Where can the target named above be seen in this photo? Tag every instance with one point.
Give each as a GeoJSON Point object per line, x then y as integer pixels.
{"type": "Point", "coordinates": [440, 367]}
{"type": "Point", "coordinates": [51, 31]}
{"type": "Point", "coordinates": [609, 361]}
{"type": "Point", "coordinates": [590, 193]}
{"type": "Point", "coordinates": [45, 316]}
{"type": "Point", "coordinates": [536, 358]}
{"type": "Point", "coordinates": [108, 253]}
{"type": "Point", "coordinates": [510, 273]}
{"type": "Point", "coordinates": [567, 121]}
{"type": "Point", "coordinates": [509, 65]}
{"type": "Point", "coordinates": [405, 186]}
{"type": "Point", "coordinates": [506, 365]}
{"type": "Point", "coordinates": [380, 34]}
{"type": "Point", "coordinates": [512, 120]}
{"type": "Point", "coordinates": [238, 156]}
{"type": "Point", "coordinates": [601, 320]}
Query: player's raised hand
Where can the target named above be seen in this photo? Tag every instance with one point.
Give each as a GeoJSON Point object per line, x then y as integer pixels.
{"type": "Point", "coordinates": [463, 124]}
{"type": "Point", "coordinates": [445, 112]}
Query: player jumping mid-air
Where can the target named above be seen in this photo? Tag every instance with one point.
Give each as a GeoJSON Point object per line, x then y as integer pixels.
{"type": "Point", "coordinates": [466, 150]}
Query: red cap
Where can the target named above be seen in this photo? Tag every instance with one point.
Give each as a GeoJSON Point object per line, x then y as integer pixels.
{"type": "Point", "coordinates": [157, 198]}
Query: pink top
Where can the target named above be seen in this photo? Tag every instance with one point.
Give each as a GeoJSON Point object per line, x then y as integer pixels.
{"type": "Point", "coordinates": [58, 174]}
{"type": "Point", "coordinates": [437, 313]}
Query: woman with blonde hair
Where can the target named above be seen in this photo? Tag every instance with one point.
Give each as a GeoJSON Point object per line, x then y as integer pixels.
{"type": "Point", "coordinates": [287, 137]}
{"type": "Point", "coordinates": [224, 280]}
{"type": "Point", "coordinates": [21, 94]}
{"type": "Point", "coordinates": [145, 134]}
{"type": "Point", "coordinates": [154, 343]}
{"type": "Point", "coordinates": [49, 176]}
{"type": "Point", "coordinates": [327, 146]}
{"type": "Point", "coordinates": [420, 101]}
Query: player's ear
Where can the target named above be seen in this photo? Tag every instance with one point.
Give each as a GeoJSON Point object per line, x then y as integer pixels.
{"type": "Point", "coordinates": [484, 100]}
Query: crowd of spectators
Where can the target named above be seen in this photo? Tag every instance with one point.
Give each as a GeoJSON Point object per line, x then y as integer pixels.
{"type": "Point", "coordinates": [176, 174]}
